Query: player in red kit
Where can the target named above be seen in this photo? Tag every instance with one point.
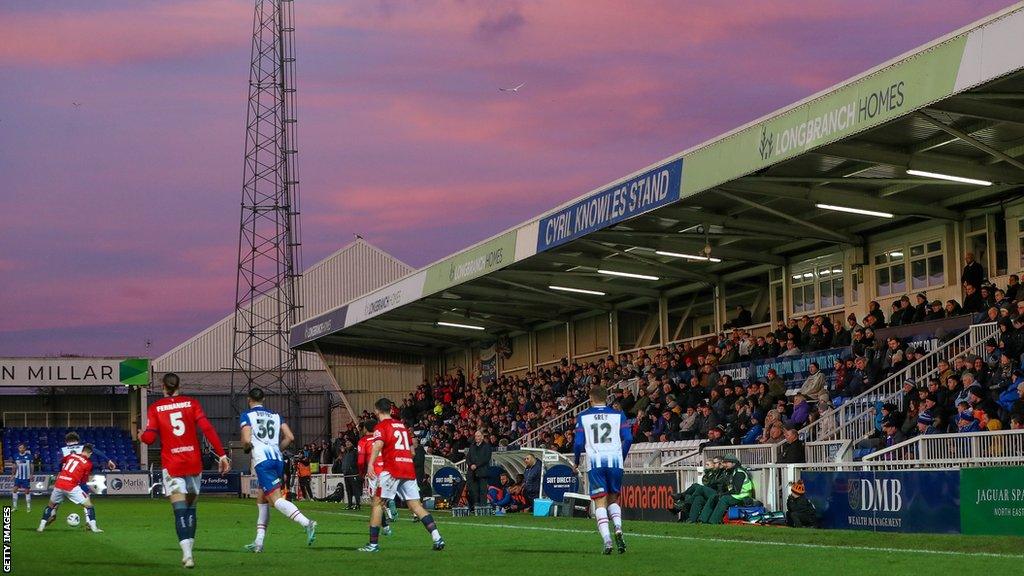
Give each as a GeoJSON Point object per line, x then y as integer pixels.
{"type": "Point", "coordinates": [174, 420]}
{"type": "Point", "coordinates": [392, 445]}
{"type": "Point", "coordinates": [364, 448]}
{"type": "Point", "coordinates": [74, 471]}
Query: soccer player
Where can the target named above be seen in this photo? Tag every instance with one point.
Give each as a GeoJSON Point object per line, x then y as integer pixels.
{"type": "Point", "coordinates": [392, 445]}
{"type": "Point", "coordinates": [606, 435]}
{"type": "Point", "coordinates": [173, 420]}
{"type": "Point", "coordinates": [74, 470]}
{"type": "Point", "coordinates": [364, 448]}
{"type": "Point", "coordinates": [73, 445]}
{"type": "Point", "coordinates": [264, 435]}
{"type": "Point", "coordinates": [22, 476]}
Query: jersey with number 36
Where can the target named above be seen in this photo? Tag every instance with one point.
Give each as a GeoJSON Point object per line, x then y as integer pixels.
{"type": "Point", "coordinates": [175, 420]}
{"type": "Point", "coordinates": [266, 433]}
{"type": "Point", "coordinates": [397, 450]}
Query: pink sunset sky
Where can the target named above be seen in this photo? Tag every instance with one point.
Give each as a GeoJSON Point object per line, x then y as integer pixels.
{"type": "Point", "coordinates": [119, 216]}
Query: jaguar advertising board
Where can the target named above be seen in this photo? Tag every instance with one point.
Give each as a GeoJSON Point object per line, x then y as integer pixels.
{"type": "Point", "coordinates": [906, 501]}
{"type": "Point", "coordinates": [992, 500]}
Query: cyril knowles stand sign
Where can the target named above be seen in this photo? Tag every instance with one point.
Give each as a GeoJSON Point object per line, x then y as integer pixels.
{"type": "Point", "coordinates": [652, 189]}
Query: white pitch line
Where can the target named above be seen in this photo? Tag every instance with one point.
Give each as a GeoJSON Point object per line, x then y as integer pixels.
{"type": "Point", "coordinates": [729, 540]}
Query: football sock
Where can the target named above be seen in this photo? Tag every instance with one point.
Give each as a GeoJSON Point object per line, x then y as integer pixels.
{"type": "Point", "coordinates": [291, 511]}
{"type": "Point", "coordinates": [28, 499]}
{"type": "Point", "coordinates": [14, 498]}
{"type": "Point", "coordinates": [47, 512]}
{"type": "Point", "coordinates": [428, 523]}
{"type": "Point", "coordinates": [261, 522]}
{"type": "Point", "coordinates": [90, 517]}
{"type": "Point", "coordinates": [181, 522]}
{"type": "Point", "coordinates": [602, 525]}
{"type": "Point", "coordinates": [374, 534]}
{"type": "Point", "coordinates": [616, 515]}
{"type": "Point", "coordinates": [186, 547]}
{"type": "Point", "coordinates": [192, 521]}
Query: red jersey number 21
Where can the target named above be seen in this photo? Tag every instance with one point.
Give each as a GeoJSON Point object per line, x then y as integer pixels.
{"type": "Point", "coordinates": [401, 440]}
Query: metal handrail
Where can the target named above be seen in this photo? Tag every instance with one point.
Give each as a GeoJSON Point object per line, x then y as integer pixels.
{"type": "Point", "coordinates": [854, 419]}
{"type": "Point", "coordinates": [528, 439]}
{"type": "Point", "coordinates": [955, 447]}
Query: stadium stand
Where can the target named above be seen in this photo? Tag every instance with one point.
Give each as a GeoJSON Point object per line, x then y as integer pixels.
{"type": "Point", "coordinates": [47, 442]}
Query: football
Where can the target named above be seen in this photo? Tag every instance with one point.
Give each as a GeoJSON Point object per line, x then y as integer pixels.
{"type": "Point", "coordinates": [74, 520]}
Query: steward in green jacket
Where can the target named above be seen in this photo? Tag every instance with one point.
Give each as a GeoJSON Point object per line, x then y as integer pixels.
{"type": "Point", "coordinates": [738, 489]}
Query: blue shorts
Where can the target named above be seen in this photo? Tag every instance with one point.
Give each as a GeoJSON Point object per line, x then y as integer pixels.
{"type": "Point", "coordinates": [21, 483]}
{"type": "Point", "coordinates": [268, 475]}
{"type": "Point", "coordinates": [604, 481]}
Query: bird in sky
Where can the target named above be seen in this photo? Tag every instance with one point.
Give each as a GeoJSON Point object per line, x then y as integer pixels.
{"type": "Point", "coordinates": [76, 104]}
{"type": "Point", "coordinates": [514, 89]}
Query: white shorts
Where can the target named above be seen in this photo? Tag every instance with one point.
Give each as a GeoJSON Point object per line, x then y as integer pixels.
{"type": "Point", "coordinates": [181, 484]}
{"type": "Point", "coordinates": [76, 495]}
{"type": "Point", "coordinates": [388, 487]}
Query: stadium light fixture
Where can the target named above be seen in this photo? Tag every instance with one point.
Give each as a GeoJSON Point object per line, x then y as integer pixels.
{"type": "Point", "coordinates": [577, 290]}
{"type": "Point", "coordinates": [854, 210]}
{"type": "Point", "coordinates": [628, 275]}
{"type": "Point", "coordinates": [466, 326]}
{"type": "Point", "coordinates": [949, 177]}
{"type": "Point", "coordinates": [687, 256]}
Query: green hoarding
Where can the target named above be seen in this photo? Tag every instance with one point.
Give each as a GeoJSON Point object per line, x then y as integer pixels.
{"type": "Point", "coordinates": [992, 501]}
{"type": "Point", "coordinates": [477, 261]}
{"type": "Point", "coordinates": [869, 101]}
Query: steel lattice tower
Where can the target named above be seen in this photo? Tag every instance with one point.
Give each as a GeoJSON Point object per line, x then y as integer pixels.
{"type": "Point", "coordinates": [266, 298]}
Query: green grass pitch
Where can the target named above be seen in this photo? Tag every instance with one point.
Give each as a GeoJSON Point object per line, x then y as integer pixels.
{"type": "Point", "coordinates": [139, 539]}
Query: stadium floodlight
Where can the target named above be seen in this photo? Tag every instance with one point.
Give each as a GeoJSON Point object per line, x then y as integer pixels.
{"type": "Point", "coordinates": [951, 178]}
{"type": "Point", "coordinates": [466, 326]}
{"type": "Point", "coordinates": [628, 275]}
{"type": "Point", "coordinates": [854, 210]}
{"type": "Point", "coordinates": [687, 256]}
{"type": "Point", "coordinates": [577, 290]}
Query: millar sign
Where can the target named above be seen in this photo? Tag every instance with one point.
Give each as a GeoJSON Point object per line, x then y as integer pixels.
{"type": "Point", "coordinates": [71, 371]}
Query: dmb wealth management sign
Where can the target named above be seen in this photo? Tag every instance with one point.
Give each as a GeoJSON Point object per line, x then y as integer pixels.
{"type": "Point", "coordinates": [74, 371]}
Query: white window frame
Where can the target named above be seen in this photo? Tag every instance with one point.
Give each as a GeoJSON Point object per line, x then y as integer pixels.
{"type": "Point", "coordinates": [812, 274]}
{"type": "Point", "coordinates": [904, 249]}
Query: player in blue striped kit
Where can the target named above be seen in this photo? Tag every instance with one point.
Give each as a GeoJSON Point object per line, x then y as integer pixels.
{"type": "Point", "coordinates": [606, 434]}
{"type": "Point", "coordinates": [22, 476]}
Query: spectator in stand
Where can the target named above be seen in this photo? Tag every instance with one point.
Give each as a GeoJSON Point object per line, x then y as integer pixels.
{"type": "Point", "coordinates": [965, 420]}
{"type": "Point", "coordinates": [925, 423]}
{"type": "Point", "coordinates": [875, 311]}
{"type": "Point", "coordinates": [743, 318]}
{"type": "Point", "coordinates": [973, 304]}
{"type": "Point", "coordinates": [973, 273]}
{"type": "Point", "coordinates": [1012, 288]}
{"type": "Point", "coordinates": [792, 450]}
{"type": "Point", "coordinates": [801, 411]}
{"type": "Point", "coordinates": [755, 430]}
{"type": "Point", "coordinates": [841, 336]}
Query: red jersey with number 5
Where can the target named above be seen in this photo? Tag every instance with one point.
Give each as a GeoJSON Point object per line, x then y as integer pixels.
{"type": "Point", "coordinates": [74, 469]}
{"type": "Point", "coordinates": [175, 420]}
{"type": "Point", "coordinates": [397, 450]}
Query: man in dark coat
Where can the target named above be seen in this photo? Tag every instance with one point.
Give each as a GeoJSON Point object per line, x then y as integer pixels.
{"type": "Point", "coordinates": [974, 273]}
{"type": "Point", "coordinates": [792, 450]}
{"type": "Point", "coordinates": [478, 464]}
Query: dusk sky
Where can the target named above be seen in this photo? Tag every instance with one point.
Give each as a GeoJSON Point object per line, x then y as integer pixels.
{"type": "Point", "coordinates": [119, 216]}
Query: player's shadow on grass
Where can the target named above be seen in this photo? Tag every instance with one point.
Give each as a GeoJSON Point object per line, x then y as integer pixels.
{"type": "Point", "coordinates": [240, 550]}
{"type": "Point", "coordinates": [119, 563]}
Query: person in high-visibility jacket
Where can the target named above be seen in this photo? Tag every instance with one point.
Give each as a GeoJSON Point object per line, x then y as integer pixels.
{"type": "Point", "coordinates": [739, 488]}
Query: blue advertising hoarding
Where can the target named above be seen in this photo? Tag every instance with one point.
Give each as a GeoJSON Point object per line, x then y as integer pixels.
{"type": "Point", "coordinates": [884, 501]}
{"type": "Point", "coordinates": [792, 369]}
{"type": "Point", "coordinates": [215, 483]}
{"type": "Point", "coordinates": [445, 480]}
{"type": "Point", "coordinates": [558, 480]}
{"type": "Point", "coordinates": [652, 189]}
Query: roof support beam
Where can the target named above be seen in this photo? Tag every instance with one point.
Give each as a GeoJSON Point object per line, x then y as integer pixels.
{"type": "Point", "coordinates": [650, 263]}
{"type": "Point", "coordinates": [825, 180]}
{"type": "Point", "coordinates": [586, 283]}
{"type": "Point", "coordinates": [840, 236]}
{"type": "Point", "coordinates": [851, 198]}
{"type": "Point", "coordinates": [535, 296]}
{"type": "Point", "coordinates": [983, 110]}
{"type": "Point", "coordinates": [620, 265]}
{"type": "Point", "coordinates": [689, 215]}
{"type": "Point", "coordinates": [667, 242]}
{"type": "Point", "coordinates": [971, 140]}
{"type": "Point", "coordinates": [548, 293]}
{"type": "Point", "coordinates": [930, 162]}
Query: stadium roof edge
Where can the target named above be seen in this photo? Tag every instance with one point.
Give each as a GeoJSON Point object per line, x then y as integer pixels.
{"type": "Point", "coordinates": [935, 71]}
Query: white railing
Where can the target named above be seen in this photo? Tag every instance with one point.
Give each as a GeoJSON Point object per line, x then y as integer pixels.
{"type": "Point", "coordinates": [855, 420]}
{"type": "Point", "coordinates": [829, 451]}
{"type": "Point", "coordinates": [657, 454]}
{"type": "Point", "coordinates": [49, 419]}
{"type": "Point", "coordinates": [748, 455]}
{"type": "Point", "coordinates": [996, 446]}
{"type": "Point", "coordinates": [566, 418]}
